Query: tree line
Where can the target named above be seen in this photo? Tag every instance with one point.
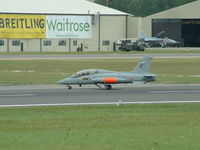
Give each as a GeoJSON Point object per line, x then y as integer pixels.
{"type": "Point", "coordinates": [143, 7]}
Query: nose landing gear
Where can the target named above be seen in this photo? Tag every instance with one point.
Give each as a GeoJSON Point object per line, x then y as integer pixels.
{"type": "Point", "coordinates": [69, 87]}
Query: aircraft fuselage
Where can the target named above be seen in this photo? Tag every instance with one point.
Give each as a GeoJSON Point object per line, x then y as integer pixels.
{"type": "Point", "coordinates": [107, 77]}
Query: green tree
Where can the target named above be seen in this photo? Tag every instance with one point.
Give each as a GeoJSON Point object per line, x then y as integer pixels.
{"type": "Point", "coordinates": [143, 7]}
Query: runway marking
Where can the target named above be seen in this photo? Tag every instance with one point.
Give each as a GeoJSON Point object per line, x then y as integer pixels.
{"type": "Point", "coordinates": [111, 56]}
{"type": "Point", "coordinates": [103, 103]}
{"type": "Point", "coordinates": [55, 86]}
{"type": "Point", "coordinates": [159, 92]}
{"type": "Point", "coordinates": [17, 95]}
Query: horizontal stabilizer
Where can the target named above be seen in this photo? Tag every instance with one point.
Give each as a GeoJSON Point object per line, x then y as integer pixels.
{"type": "Point", "coordinates": [150, 77]}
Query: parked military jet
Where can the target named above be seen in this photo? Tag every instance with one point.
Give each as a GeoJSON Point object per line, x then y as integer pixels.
{"type": "Point", "coordinates": [100, 77]}
{"type": "Point", "coordinates": [158, 41]}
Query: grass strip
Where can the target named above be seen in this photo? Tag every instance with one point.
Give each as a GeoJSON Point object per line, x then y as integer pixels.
{"type": "Point", "coordinates": [21, 72]}
{"type": "Point", "coordinates": [130, 127]}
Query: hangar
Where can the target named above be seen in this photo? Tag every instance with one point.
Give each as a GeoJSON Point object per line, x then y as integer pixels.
{"type": "Point", "coordinates": [180, 23]}
{"type": "Point", "coordinates": [81, 25]}
{"type": "Point", "coordinates": [61, 25]}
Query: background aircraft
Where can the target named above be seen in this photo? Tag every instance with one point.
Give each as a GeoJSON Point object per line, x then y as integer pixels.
{"type": "Point", "coordinates": [158, 41]}
{"type": "Point", "coordinates": [106, 77]}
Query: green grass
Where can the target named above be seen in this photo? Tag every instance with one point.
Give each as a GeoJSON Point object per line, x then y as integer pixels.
{"type": "Point", "coordinates": [18, 72]}
{"type": "Point", "coordinates": [130, 127]}
{"type": "Point", "coordinates": [177, 70]}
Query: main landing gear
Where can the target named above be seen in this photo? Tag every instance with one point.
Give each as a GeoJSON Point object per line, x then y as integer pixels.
{"type": "Point", "coordinates": [107, 86]}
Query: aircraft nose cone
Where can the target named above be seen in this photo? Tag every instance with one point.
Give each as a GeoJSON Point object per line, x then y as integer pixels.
{"type": "Point", "coordinates": [67, 81]}
{"type": "Point", "coordinates": [60, 82]}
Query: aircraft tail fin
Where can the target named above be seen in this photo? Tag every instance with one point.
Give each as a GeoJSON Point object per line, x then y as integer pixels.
{"type": "Point", "coordinates": [159, 34]}
{"type": "Point", "coordinates": [143, 66]}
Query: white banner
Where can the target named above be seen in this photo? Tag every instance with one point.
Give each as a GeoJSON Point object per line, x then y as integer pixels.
{"type": "Point", "coordinates": [68, 26]}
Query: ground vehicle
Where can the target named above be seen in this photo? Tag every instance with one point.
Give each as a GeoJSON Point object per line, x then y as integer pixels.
{"type": "Point", "coordinates": [131, 44]}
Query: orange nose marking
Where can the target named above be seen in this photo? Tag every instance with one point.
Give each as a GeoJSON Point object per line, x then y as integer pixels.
{"type": "Point", "coordinates": [110, 80]}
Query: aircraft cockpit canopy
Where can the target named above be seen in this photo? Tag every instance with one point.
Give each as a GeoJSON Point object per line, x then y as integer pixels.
{"type": "Point", "coordinates": [84, 73]}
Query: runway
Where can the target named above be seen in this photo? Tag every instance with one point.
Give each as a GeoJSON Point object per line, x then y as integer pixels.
{"type": "Point", "coordinates": [96, 56]}
{"type": "Point", "coordinates": [54, 95]}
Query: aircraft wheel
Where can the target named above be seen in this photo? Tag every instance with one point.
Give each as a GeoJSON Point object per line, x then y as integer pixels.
{"type": "Point", "coordinates": [108, 87]}
{"type": "Point", "coordinates": [69, 87]}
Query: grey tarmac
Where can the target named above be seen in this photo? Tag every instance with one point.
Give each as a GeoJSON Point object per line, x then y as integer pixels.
{"type": "Point", "coordinates": [55, 95]}
{"type": "Point", "coordinates": [95, 56]}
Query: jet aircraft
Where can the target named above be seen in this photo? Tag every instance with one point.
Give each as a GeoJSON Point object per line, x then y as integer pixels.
{"type": "Point", "coordinates": [158, 41]}
{"type": "Point", "coordinates": [100, 77]}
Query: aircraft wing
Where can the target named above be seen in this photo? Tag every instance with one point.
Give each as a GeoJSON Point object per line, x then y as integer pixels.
{"type": "Point", "coordinates": [153, 40]}
{"type": "Point", "coordinates": [111, 80]}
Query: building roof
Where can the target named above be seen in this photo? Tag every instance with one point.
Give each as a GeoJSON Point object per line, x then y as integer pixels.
{"type": "Point", "coordinates": [189, 10]}
{"type": "Point", "coordinates": [56, 7]}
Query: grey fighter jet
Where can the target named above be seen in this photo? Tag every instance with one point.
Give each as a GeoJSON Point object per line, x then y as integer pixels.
{"type": "Point", "coordinates": [100, 77]}
{"type": "Point", "coordinates": [158, 41]}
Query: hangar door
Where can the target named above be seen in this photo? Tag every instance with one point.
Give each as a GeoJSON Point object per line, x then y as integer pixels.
{"type": "Point", "coordinates": [185, 31]}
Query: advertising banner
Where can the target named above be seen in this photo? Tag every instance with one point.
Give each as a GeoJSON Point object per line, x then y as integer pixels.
{"type": "Point", "coordinates": [58, 26]}
{"type": "Point", "coordinates": [41, 26]}
{"type": "Point", "coordinates": [22, 26]}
